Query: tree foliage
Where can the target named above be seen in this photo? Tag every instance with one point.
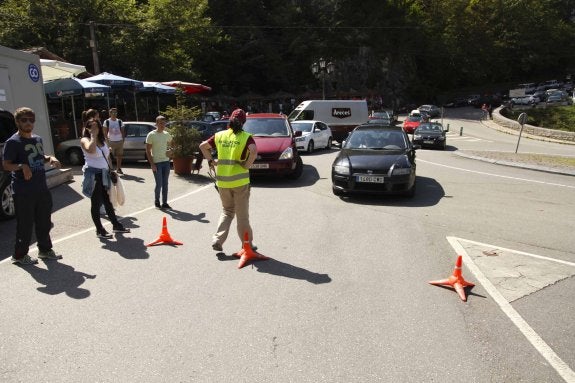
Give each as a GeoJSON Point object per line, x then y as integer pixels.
{"type": "Point", "coordinates": [402, 49]}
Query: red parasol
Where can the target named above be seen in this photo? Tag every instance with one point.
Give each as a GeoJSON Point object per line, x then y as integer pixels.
{"type": "Point", "coordinates": [188, 87]}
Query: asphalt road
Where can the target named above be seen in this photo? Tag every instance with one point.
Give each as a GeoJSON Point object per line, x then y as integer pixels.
{"type": "Point", "coordinates": [344, 298]}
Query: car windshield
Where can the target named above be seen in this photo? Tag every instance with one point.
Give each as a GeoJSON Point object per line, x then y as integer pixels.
{"type": "Point", "coordinates": [302, 126]}
{"type": "Point", "coordinates": [427, 127]}
{"type": "Point", "coordinates": [376, 140]}
{"type": "Point", "coordinates": [379, 115]}
{"type": "Point", "coordinates": [261, 127]}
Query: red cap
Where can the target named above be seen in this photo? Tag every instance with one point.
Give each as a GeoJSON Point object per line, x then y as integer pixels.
{"type": "Point", "coordinates": [239, 115]}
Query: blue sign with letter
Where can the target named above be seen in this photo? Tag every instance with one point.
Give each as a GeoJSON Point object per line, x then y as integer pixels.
{"type": "Point", "coordinates": [33, 72]}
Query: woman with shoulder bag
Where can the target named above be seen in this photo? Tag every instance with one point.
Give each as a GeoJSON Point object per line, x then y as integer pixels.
{"type": "Point", "coordinates": [97, 179]}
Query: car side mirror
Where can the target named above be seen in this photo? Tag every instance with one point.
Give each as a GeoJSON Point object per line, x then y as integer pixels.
{"type": "Point", "coordinates": [447, 129]}
{"type": "Point", "coordinates": [297, 133]}
{"type": "Point", "coordinates": [415, 147]}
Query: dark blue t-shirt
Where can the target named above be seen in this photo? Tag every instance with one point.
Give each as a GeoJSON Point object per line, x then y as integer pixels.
{"type": "Point", "coordinates": [29, 151]}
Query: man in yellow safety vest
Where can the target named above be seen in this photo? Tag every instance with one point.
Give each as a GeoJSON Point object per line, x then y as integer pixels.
{"type": "Point", "coordinates": [236, 153]}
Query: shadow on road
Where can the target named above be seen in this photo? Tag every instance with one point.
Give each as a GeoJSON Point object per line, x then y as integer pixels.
{"type": "Point", "coordinates": [59, 278]}
{"type": "Point", "coordinates": [281, 269]}
{"type": "Point", "coordinates": [309, 177]}
{"type": "Point", "coordinates": [429, 192]}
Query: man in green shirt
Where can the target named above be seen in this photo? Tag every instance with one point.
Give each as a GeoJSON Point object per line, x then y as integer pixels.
{"type": "Point", "coordinates": [157, 143]}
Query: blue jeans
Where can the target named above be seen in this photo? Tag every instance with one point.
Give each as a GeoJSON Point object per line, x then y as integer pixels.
{"type": "Point", "coordinates": [161, 176]}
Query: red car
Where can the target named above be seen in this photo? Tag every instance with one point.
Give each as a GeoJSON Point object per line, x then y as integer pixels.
{"type": "Point", "coordinates": [275, 140]}
{"type": "Point", "coordinates": [411, 123]}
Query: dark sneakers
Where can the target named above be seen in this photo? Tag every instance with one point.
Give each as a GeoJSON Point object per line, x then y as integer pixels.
{"type": "Point", "coordinates": [217, 246]}
{"type": "Point", "coordinates": [120, 229]}
{"type": "Point", "coordinates": [103, 234]}
{"type": "Point", "coordinates": [50, 254]}
{"type": "Point", "coordinates": [166, 206]}
{"type": "Point", "coordinates": [157, 203]}
{"type": "Point", "coordinates": [25, 260]}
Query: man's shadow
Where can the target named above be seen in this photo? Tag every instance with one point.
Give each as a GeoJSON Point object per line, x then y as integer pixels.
{"type": "Point", "coordinates": [185, 216]}
{"type": "Point", "coordinates": [129, 177]}
{"type": "Point", "coordinates": [60, 278]}
{"type": "Point", "coordinates": [275, 267]}
{"type": "Point", "coordinates": [127, 247]}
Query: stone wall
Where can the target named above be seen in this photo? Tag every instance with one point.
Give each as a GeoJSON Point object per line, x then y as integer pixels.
{"type": "Point", "coordinates": [532, 130]}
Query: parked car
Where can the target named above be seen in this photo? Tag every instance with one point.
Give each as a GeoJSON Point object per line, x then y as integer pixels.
{"type": "Point", "coordinates": [7, 129]}
{"type": "Point", "coordinates": [431, 110]}
{"type": "Point", "coordinates": [392, 115]}
{"type": "Point", "coordinates": [375, 160]}
{"type": "Point", "coordinates": [457, 103]}
{"type": "Point", "coordinates": [559, 98]}
{"type": "Point", "coordinates": [525, 100]}
{"type": "Point", "coordinates": [314, 134]}
{"type": "Point", "coordinates": [378, 115]}
{"type": "Point", "coordinates": [70, 151]}
{"type": "Point", "coordinates": [411, 123]}
{"type": "Point", "coordinates": [275, 140]}
{"type": "Point", "coordinates": [380, 121]}
{"type": "Point", "coordinates": [220, 125]}
{"type": "Point", "coordinates": [431, 134]}
{"type": "Point", "coordinates": [206, 129]}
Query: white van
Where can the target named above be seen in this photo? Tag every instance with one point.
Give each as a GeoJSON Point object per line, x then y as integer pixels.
{"type": "Point", "coordinates": [342, 116]}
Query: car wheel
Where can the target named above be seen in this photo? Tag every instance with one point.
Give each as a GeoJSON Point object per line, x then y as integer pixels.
{"type": "Point", "coordinates": [8, 210]}
{"type": "Point", "coordinates": [75, 157]}
{"type": "Point", "coordinates": [329, 140]}
{"type": "Point", "coordinates": [310, 147]}
{"type": "Point", "coordinates": [298, 170]}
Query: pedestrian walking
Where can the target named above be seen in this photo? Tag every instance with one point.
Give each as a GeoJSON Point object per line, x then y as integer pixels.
{"type": "Point", "coordinates": [97, 180]}
{"type": "Point", "coordinates": [115, 134]}
{"type": "Point", "coordinates": [236, 153]}
{"type": "Point", "coordinates": [24, 156]}
{"type": "Point", "coordinates": [157, 143]}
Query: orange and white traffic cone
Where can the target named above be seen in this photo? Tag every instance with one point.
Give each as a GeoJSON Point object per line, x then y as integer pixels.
{"type": "Point", "coordinates": [165, 236]}
{"type": "Point", "coordinates": [455, 280]}
{"type": "Point", "coordinates": [247, 254]}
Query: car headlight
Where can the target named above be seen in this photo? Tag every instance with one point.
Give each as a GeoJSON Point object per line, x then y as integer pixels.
{"type": "Point", "coordinates": [417, 137]}
{"type": "Point", "coordinates": [287, 154]}
{"type": "Point", "coordinates": [342, 167]}
{"type": "Point", "coordinates": [400, 171]}
{"type": "Point", "coordinates": [300, 139]}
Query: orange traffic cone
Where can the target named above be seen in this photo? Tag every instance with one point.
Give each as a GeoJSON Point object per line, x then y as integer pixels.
{"type": "Point", "coordinates": [246, 253]}
{"type": "Point", "coordinates": [165, 237]}
{"type": "Point", "coordinates": [455, 280]}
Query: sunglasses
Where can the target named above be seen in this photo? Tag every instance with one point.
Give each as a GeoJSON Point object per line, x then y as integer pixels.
{"type": "Point", "coordinates": [27, 119]}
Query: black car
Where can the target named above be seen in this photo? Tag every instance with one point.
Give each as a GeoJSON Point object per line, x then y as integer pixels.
{"type": "Point", "coordinates": [206, 129]}
{"type": "Point", "coordinates": [430, 134]}
{"type": "Point", "coordinates": [375, 159]}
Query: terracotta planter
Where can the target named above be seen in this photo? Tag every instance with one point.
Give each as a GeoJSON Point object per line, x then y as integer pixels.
{"type": "Point", "coordinates": [183, 165]}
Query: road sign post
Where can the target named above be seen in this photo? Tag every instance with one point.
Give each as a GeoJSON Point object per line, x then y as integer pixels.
{"type": "Point", "coordinates": [521, 120]}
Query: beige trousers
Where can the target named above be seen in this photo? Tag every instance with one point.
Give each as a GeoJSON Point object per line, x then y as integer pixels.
{"type": "Point", "coordinates": [235, 202]}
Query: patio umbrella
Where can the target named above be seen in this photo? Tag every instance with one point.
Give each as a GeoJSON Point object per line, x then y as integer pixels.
{"type": "Point", "coordinates": [70, 87]}
{"type": "Point", "coordinates": [55, 70]}
{"type": "Point", "coordinates": [157, 88]}
{"type": "Point", "coordinates": [118, 82]}
{"type": "Point", "coordinates": [188, 87]}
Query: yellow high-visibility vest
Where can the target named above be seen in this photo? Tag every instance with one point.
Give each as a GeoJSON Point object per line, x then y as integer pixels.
{"type": "Point", "coordinates": [229, 172]}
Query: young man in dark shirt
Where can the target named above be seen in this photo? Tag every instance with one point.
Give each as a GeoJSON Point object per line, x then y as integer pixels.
{"type": "Point", "coordinates": [24, 156]}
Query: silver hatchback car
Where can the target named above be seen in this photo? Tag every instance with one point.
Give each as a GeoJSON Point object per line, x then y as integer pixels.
{"type": "Point", "coordinates": [134, 145]}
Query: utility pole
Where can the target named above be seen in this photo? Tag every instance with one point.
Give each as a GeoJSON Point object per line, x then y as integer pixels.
{"type": "Point", "coordinates": [94, 47]}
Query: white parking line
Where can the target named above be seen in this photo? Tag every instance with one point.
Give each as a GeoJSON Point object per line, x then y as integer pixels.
{"type": "Point", "coordinates": [536, 341]}
{"type": "Point", "coordinates": [496, 175]}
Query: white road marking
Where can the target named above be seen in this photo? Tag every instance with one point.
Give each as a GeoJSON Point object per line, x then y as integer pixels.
{"type": "Point", "coordinates": [536, 341]}
{"type": "Point", "coordinates": [496, 175]}
{"type": "Point", "coordinates": [78, 233]}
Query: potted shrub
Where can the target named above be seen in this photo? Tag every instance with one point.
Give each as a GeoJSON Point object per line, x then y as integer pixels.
{"type": "Point", "coordinates": [185, 140]}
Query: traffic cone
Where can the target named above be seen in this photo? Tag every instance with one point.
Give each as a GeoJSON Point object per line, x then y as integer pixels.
{"type": "Point", "coordinates": [165, 237]}
{"type": "Point", "coordinates": [246, 253]}
{"type": "Point", "coordinates": [455, 280]}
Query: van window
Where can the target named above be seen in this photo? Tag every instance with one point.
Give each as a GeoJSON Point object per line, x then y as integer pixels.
{"type": "Point", "coordinates": [7, 126]}
{"type": "Point", "coordinates": [303, 115]}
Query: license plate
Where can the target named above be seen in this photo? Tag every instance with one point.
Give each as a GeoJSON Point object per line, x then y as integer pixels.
{"type": "Point", "coordinates": [260, 166]}
{"type": "Point", "coordinates": [370, 179]}
{"type": "Point", "coordinates": [428, 142]}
